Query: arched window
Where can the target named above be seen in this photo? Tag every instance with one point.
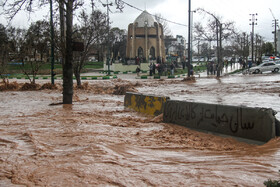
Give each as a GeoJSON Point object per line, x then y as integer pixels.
{"type": "Point", "coordinates": [140, 52]}
{"type": "Point", "coordinates": [152, 53]}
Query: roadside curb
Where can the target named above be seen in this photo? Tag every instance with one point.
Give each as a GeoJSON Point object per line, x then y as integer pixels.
{"type": "Point", "coordinates": [120, 73]}
{"type": "Point", "coordinates": [60, 78]}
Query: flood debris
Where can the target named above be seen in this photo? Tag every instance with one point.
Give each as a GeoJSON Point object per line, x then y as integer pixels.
{"type": "Point", "coordinates": [189, 79]}
{"type": "Point", "coordinates": [5, 85]}
{"type": "Point", "coordinates": [83, 86]}
{"type": "Point", "coordinates": [29, 87]}
{"type": "Point", "coordinates": [49, 86]}
{"type": "Point", "coordinates": [122, 89]}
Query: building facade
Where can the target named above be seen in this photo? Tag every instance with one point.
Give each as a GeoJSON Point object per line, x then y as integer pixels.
{"type": "Point", "coordinates": [176, 47]}
{"type": "Point", "coordinates": [145, 39]}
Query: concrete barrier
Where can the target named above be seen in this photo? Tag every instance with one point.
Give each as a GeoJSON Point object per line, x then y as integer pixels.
{"type": "Point", "coordinates": [147, 104]}
{"type": "Point", "coordinates": [277, 127]}
{"type": "Point", "coordinates": [250, 123]}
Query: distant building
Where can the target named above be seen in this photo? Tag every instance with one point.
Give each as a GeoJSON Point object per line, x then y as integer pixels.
{"type": "Point", "coordinates": [145, 38]}
{"type": "Point", "coordinates": [176, 47]}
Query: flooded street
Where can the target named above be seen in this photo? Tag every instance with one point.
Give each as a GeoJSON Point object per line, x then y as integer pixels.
{"type": "Point", "coordinates": [98, 142]}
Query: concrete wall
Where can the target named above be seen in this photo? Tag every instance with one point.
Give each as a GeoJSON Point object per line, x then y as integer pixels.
{"type": "Point", "coordinates": [250, 123]}
{"type": "Point", "coordinates": [277, 127]}
{"type": "Point", "coordinates": [122, 68]}
{"type": "Point", "coordinates": [147, 104]}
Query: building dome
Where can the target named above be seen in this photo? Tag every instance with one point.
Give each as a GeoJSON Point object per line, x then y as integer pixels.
{"type": "Point", "coordinates": [143, 19]}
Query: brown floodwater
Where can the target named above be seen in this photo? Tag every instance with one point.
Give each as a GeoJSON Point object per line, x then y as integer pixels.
{"type": "Point", "coordinates": [97, 142]}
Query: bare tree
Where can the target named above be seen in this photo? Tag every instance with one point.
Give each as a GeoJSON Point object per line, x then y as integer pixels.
{"type": "Point", "coordinates": [66, 11]}
{"type": "Point", "coordinates": [221, 30]}
{"type": "Point", "coordinates": [118, 42]}
{"type": "Point", "coordinates": [4, 52]}
{"type": "Point", "coordinates": [91, 31]}
{"type": "Point", "coordinates": [204, 32]}
{"type": "Point", "coordinates": [166, 30]}
{"type": "Point", "coordinates": [35, 49]}
{"type": "Point", "coordinates": [67, 8]}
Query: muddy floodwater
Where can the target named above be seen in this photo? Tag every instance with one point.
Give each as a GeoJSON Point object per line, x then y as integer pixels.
{"type": "Point", "coordinates": [98, 142]}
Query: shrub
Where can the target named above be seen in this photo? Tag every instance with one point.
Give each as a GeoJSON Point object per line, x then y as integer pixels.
{"type": "Point", "coordinates": [272, 183]}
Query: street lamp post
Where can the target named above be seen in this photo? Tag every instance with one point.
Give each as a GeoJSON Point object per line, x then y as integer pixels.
{"type": "Point", "coordinates": [108, 36]}
{"type": "Point", "coordinates": [52, 43]}
{"type": "Point", "coordinates": [189, 41]}
{"type": "Point", "coordinates": [219, 39]}
{"type": "Point", "coordinates": [275, 37]}
{"type": "Point", "coordinates": [191, 25]}
{"type": "Point", "coordinates": [253, 20]}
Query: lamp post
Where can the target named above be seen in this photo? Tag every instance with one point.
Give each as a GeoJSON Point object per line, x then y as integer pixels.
{"type": "Point", "coordinates": [275, 36]}
{"type": "Point", "coordinates": [253, 20]}
{"type": "Point", "coordinates": [191, 26]}
{"type": "Point", "coordinates": [189, 41]}
{"type": "Point", "coordinates": [52, 43]}
{"type": "Point", "coordinates": [219, 39]}
{"type": "Point", "coordinates": [108, 36]}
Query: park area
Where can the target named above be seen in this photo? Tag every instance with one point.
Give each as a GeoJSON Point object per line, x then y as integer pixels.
{"type": "Point", "coordinates": [98, 142]}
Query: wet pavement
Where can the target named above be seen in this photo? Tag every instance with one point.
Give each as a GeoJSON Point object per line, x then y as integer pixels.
{"type": "Point", "coordinates": [97, 142]}
{"type": "Point", "coordinates": [130, 76]}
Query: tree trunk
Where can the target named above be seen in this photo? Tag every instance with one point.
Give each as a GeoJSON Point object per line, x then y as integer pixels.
{"type": "Point", "coordinates": [67, 68]}
{"type": "Point", "coordinates": [62, 31]}
{"type": "Point", "coordinates": [77, 74]}
{"type": "Point", "coordinates": [78, 77]}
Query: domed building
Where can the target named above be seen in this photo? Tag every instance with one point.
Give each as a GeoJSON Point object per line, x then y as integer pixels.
{"type": "Point", "coordinates": [145, 38]}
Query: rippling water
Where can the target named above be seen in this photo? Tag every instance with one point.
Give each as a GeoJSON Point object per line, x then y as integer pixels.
{"type": "Point", "coordinates": [97, 141]}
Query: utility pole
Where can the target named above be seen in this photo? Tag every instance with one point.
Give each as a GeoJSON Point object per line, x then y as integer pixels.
{"type": "Point", "coordinates": [220, 64]}
{"type": "Point", "coordinates": [275, 24]}
{"type": "Point", "coordinates": [253, 23]}
{"type": "Point", "coordinates": [92, 6]}
{"type": "Point", "coordinates": [275, 31]}
{"type": "Point", "coordinates": [191, 26]}
{"type": "Point", "coordinates": [52, 43]}
{"type": "Point", "coordinates": [189, 41]}
{"type": "Point", "coordinates": [108, 36]}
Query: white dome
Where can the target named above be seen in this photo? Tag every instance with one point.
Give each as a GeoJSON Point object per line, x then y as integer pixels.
{"type": "Point", "coordinates": [145, 18]}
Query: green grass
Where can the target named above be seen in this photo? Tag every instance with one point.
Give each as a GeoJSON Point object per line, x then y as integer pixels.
{"type": "Point", "coordinates": [144, 77]}
{"type": "Point", "coordinates": [46, 66]}
{"type": "Point", "coordinates": [94, 65]}
{"type": "Point", "coordinates": [27, 66]}
{"type": "Point", "coordinates": [106, 77]}
{"type": "Point", "coordinates": [156, 77]}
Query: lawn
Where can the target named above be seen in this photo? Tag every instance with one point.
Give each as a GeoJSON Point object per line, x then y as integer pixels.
{"type": "Point", "coordinates": [15, 69]}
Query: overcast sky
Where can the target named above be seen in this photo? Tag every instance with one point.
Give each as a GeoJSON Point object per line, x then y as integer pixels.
{"type": "Point", "coordinates": [230, 10]}
{"type": "Point", "coordinates": [177, 11]}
